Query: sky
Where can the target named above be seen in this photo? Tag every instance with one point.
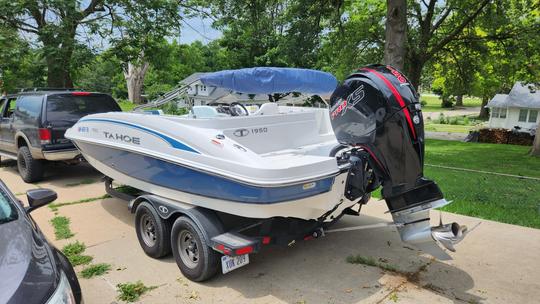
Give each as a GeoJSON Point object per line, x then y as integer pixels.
{"type": "Point", "coordinates": [198, 28]}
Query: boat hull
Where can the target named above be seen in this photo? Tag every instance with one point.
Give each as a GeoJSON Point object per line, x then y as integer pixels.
{"type": "Point", "coordinates": [306, 200]}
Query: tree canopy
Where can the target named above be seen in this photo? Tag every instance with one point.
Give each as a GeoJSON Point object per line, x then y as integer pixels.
{"type": "Point", "coordinates": [453, 47]}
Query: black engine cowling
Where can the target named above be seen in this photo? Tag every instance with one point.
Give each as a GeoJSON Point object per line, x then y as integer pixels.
{"type": "Point", "coordinates": [377, 110]}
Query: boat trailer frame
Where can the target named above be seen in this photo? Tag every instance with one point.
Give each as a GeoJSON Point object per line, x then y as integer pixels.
{"type": "Point", "coordinates": [241, 239]}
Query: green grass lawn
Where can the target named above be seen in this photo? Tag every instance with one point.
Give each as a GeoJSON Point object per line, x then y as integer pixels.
{"type": "Point", "coordinates": [434, 103]}
{"type": "Point", "coordinates": [499, 198]}
{"type": "Point", "coordinates": [447, 128]}
{"type": "Point", "coordinates": [511, 159]}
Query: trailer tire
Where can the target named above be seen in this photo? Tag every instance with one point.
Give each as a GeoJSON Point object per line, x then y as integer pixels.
{"type": "Point", "coordinates": [152, 231]}
{"type": "Point", "coordinates": [194, 256]}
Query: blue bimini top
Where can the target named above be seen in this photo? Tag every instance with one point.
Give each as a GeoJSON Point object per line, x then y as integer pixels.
{"type": "Point", "coordinates": [269, 80]}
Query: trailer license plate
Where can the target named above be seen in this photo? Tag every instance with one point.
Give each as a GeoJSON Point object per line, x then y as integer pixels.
{"type": "Point", "coordinates": [229, 264]}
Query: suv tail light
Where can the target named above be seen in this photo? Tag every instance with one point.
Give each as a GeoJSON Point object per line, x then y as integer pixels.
{"type": "Point", "coordinates": [81, 93]}
{"type": "Point", "coordinates": [45, 136]}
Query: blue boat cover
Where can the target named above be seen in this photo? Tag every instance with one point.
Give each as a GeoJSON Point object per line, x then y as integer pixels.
{"type": "Point", "coordinates": [268, 80]}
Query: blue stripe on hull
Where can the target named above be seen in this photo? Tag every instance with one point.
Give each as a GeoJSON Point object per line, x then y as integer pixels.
{"type": "Point", "coordinates": [173, 142]}
{"type": "Point", "coordinates": [177, 177]}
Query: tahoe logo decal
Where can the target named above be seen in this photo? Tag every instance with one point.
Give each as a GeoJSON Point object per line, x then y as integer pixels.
{"type": "Point", "coordinates": [125, 138]}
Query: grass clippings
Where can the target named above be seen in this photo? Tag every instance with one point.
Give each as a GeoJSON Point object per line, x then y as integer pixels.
{"type": "Point", "coordinates": [61, 227]}
{"type": "Point", "coordinates": [132, 291]}
{"type": "Point", "coordinates": [95, 270]}
{"type": "Point", "coordinates": [55, 206]}
{"type": "Point", "coordinates": [73, 252]}
{"type": "Point", "coordinates": [370, 261]}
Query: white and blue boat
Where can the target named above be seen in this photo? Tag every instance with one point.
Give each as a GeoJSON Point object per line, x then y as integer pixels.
{"type": "Point", "coordinates": [307, 164]}
{"type": "Point", "coordinates": [274, 162]}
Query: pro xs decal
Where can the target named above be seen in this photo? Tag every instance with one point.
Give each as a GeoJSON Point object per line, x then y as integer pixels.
{"type": "Point", "coordinates": [354, 98]}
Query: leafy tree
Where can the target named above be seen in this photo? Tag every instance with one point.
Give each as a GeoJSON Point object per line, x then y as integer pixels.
{"type": "Point", "coordinates": [142, 26]}
{"type": "Point", "coordinates": [20, 65]}
{"type": "Point", "coordinates": [102, 74]}
{"type": "Point", "coordinates": [305, 23]}
{"type": "Point", "coordinates": [454, 71]}
{"type": "Point", "coordinates": [432, 26]}
{"type": "Point", "coordinates": [356, 39]}
{"type": "Point", "coordinates": [511, 33]}
{"type": "Point", "coordinates": [251, 30]}
{"type": "Point", "coordinates": [55, 25]}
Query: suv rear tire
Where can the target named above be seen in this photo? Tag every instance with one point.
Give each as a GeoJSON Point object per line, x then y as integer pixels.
{"type": "Point", "coordinates": [30, 169]}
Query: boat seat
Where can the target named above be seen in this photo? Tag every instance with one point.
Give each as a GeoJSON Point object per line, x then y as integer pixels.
{"type": "Point", "coordinates": [269, 108]}
{"type": "Point", "coordinates": [204, 112]}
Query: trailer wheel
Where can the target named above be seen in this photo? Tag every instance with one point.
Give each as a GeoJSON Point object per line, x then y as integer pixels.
{"type": "Point", "coordinates": [194, 256]}
{"type": "Point", "coordinates": [153, 232]}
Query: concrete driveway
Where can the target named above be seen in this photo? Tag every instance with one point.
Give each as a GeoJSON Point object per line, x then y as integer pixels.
{"type": "Point", "coordinates": [496, 263]}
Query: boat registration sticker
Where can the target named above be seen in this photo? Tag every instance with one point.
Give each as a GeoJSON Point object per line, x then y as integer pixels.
{"type": "Point", "coordinates": [229, 264]}
{"type": "Point", "coordinates": [309, 186]}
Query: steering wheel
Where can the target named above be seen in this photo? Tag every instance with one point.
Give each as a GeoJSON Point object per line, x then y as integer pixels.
{"type": "Point", "coordinates": [238, 109]}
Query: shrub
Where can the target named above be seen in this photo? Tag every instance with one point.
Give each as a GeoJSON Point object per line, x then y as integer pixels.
{"type": "Point", "coordinates": [441, 119]}
{"type": "Point", "coordinates": [171, 108]}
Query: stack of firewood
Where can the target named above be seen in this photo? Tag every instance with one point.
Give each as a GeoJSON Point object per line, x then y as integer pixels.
{"type": "Point", "coordinates": [503, 136]}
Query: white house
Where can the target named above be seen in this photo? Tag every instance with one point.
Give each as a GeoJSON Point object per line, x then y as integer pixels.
{"type": "Point", "coordinates": [519, 108]}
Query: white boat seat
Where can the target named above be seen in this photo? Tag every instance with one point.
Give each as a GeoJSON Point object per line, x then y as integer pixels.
{"type": "Point", "coordinates": [269, 108]}
{"type": "Point", "coordinates": [204, 112]}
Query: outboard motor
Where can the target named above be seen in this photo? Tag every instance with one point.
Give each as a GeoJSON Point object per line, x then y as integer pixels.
{"type": "Point", "coordinates": [376, 110]}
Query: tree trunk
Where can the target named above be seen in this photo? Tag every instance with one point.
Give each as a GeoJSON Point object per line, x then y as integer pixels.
{"type": "Point", "coordinates": [415, 72]}
{"type": "Point", "coordinates": [135, 79]}
{"type": "Point", "coordinates": [58, 74]}
{"type": "Point", "coordinates": [58, 54]}
{"type": "Point", "coordinates": [535, 150]}
{"type": "Point", "coordinates": [396, 33]}
{"type": "Point", "coordinates": [459, 100]}
{"type": "Point", "coordinates": [484, 113]}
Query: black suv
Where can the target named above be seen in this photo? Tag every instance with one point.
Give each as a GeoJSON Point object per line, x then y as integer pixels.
{"type": "Point", "coordinates": [32, 270]}
{"type": "Point", "coordinates": [33, 123]}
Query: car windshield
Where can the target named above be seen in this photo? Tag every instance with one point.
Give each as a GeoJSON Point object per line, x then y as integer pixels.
{"type": "Point", "coordinates": [72, 107]}
{"type": "Point", "coordinates": [7, 209]}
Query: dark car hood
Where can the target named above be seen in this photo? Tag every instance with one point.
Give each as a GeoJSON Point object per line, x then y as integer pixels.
{"type": "Point", "coordinates": [28, 275]}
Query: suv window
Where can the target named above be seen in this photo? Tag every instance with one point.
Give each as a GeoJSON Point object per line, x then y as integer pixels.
{"type": "Point", "coordinates": [10, 107]}
{"type": "Point", "coordinates": [29, 106]}
{"type": "Point", "coordinates": [72, 107]}
{"type": "Point", "coordinates": [7, 209]}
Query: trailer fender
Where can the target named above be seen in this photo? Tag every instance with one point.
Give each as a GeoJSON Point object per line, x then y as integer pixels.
{"type": "Point", "coordinates": [207, 220]}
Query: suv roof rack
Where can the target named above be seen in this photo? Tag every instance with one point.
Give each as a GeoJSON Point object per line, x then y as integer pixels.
{"type": "Point", "coordinates": [36, 89]}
